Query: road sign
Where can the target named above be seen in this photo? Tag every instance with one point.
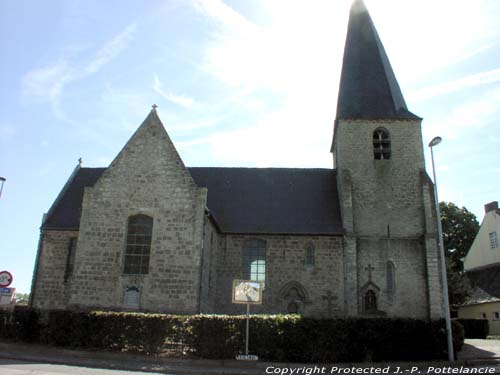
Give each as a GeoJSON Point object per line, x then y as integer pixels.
{"type": "Point", "coordinates": [5, 279]}
{"type": "Point", "coordinates": [247, 292]}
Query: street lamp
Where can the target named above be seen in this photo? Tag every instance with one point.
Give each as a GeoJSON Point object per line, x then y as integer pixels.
{"type": "Point", "coordinates": [435, 141]}
{"type": "Point", "coordinates": [2, 180]}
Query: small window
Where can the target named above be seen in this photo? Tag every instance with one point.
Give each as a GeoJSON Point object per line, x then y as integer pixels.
{"type": "Point", "coordinates": [497, 315]}
{"type": "Point", "coordinates": [310, 255]}
{"type": "Point", "coordinates": [493, 240]}
{"type": "Point", "coordinates": [483, 315]}
{"type": "Point", "coordinates": [254, 260]}
{"type": "Point", "coordinates": [370, 301]}
{"type": "Point", "coordinates": [381, 144]}
{"type": "Point", "coordinates": [138, 248]}
{"type": "Point", "coordinates": [391, 277]}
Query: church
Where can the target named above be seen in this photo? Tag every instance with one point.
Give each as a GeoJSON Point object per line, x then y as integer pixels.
{"type": "Point", "coordinates": [360, 239]}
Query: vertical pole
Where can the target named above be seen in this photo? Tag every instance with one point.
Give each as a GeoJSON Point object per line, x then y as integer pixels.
{"type": "Point", "coordinates": [248, 328]}
{"type": "Point", "coordinates": [443, 268]}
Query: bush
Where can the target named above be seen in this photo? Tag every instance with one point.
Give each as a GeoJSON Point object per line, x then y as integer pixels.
{"type": "Point", "coordinates": [286, 338]}
{"type": "Point", "coordinates": [475, 328]}
{"type": "Point", "coordinates": [20, 323]}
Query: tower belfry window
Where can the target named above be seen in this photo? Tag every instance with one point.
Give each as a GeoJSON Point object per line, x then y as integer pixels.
{"type": "Point", "coordinates": [381, 144]}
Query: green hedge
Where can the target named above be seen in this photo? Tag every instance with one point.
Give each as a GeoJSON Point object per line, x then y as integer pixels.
{"type": "Point", "coordinates": [475, 328]}
{"type": "Point", "coordinates": [275, 338]}
{"type": "Point", "coordinates": [20, 323]}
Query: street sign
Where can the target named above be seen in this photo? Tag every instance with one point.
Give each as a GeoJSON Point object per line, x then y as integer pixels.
{"type": "Point", "coordinates": [7, 296]}
{"type": "Point", "coordinates": [5, 279]}
{"type": "Point", "coordinates": [247, 292]}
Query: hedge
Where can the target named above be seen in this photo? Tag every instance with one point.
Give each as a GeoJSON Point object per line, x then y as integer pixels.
{"type": "Point", "coordinates": [475, 328]}
{"type": "Point", "coordinates": [288, 338]}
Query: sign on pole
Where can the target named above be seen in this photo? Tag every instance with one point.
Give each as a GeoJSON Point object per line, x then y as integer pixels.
{"type": "Point", "coordinates": [5, 279]}
{"type": "Point", "coordinates": [247, 292]}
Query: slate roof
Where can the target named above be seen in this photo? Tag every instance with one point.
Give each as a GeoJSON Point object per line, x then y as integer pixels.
{"type": "Point", "coordinates": [485, 285]}
{"type": "Point", "coordinates": [241, 200]}
{"type": "Point", "coordinates": [368, 87]}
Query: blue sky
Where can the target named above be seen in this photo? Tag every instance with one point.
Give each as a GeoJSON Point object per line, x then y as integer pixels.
{"type": "Point", "coordinates": [238, 83]}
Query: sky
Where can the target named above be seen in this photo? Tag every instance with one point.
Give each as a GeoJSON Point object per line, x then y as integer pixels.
{"type": "Point", "coordinates": [237, 83]}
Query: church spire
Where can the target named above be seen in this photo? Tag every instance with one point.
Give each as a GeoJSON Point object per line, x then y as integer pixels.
{"type": "Point", "coordinates": [368, 86]}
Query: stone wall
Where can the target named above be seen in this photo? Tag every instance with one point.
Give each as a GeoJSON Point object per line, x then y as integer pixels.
{"type": "Point", "coordinates": [147, 177]}
{"type": "Point", "coordinates": [387, 212]}
{"type": "Point", "coordinates": [387, 194]}
{"type": "Point", "coordinates": [50, 289]}
{"type": "Point", "coordinates": [409, 297]}
{"type": "Point", "coordinates": [285, 270]}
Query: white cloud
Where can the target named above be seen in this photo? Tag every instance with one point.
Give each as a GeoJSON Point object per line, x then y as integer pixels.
{"type": "Point", "coordinates": [111, 49]}
{"type": "Point", "coordinates": [476, 113]}
{"type": "Point", "coordinates": [47, 83]}
{"type": "Point", "coordinates": [470, 81]}
{"type": "Point", "coordinates": [182, 100]}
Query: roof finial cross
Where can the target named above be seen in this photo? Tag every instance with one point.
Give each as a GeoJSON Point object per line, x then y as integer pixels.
{"type": "Point", "coordinates": [154, 107]}
{"type": "Point", "coordinates": [80, 161]}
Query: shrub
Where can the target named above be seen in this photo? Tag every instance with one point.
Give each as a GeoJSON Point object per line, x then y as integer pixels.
{"type": "Point", "coordinates": [474, 328]}
{"type": "Point", "coordinates": [272, 337]}
{"type": "Point", "coordinates": [20, 323]}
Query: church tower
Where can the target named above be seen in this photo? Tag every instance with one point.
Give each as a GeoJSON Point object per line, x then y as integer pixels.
{"type": "Point", "coordinates": [385, 195]}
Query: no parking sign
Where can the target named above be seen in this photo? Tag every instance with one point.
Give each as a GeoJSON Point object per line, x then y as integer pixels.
{"type": "Point", "coordinates": [5, 279]}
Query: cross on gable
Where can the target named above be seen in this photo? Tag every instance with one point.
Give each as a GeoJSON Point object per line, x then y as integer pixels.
{"type": "Point", "coordinates": [369, 268]}
{"type": "Point", "coordinates": [154, 106]}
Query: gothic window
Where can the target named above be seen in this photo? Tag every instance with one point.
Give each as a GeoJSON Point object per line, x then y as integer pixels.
{"type": "Point", "coordinates": [493, 240]}
{"type": "Point", "coordinates": [70, 259]}
{"type": "Point", "coordinates": [370, 301]}
{"type": "Point", "coordinates": [310, 255]}
{"type": "Point", "coordinates": [138, 248]}
{"type": "Point", "coordinates": [254, 260]}
{"type": "Point", "coordinates": [381, 144]}
{"type": "Point", "coordinates": [391, 277]}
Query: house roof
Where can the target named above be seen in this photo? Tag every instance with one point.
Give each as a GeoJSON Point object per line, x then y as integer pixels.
{"type": "Point", "coordinates": [368, 87]}
{"type": "Point", "coordinates": [241, 200]}
{"type": "Point", "coordinates": [485, 285]}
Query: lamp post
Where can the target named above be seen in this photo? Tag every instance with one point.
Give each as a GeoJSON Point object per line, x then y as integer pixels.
{"type": "Point", "coordinates": [434, 142]}
{"type": "Point", "coordinates": [2, 180]}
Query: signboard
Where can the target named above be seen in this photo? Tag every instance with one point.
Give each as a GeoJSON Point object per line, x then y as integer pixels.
{"type": "Point", "coordinates": [247, 292]}
{"type": "Point", "coordinates": [5, 279]}
{"type": "Point", "coordinates": [7, 296]}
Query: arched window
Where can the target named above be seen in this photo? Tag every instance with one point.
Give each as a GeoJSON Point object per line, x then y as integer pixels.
{"type": "Point", "coordinates": [310, 255]}
{"type": "Point", "coordinates": [138, 248]}
{"type": "Point", "coordinates": [381, 144]}
{"type": "Point", "coordinates": [391, 277]}
{"type": "Point", "coordinates": [254, 260]}
{"type": "Point", "coordinates": [370, 301]}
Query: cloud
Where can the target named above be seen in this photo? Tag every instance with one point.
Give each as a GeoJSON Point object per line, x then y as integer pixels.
{"type": "Point", "coordinates": [47, 83]}
{"type": "Point", "coordinates": [478, 79]}
{"type": "Point", "coordinates": [472, 114]}
{"type": "Point", "coordinates": [181, 100]}
{"type": "Point", "coordinates": [111, 49]}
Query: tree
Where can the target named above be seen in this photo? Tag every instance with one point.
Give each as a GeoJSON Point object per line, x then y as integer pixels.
{"type": "Point", "coordinates": [460, 227]}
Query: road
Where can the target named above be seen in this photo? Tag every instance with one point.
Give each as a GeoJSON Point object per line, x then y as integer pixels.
{"type": "Point", "coordinates": [16, 367]}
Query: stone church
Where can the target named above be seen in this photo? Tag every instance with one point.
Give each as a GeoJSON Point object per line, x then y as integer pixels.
{"type": "Point", "coordinates": [148, 233]}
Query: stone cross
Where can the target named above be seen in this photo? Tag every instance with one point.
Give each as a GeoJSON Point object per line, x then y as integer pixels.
{"type": "Point", "coordinates": [154, 106]}
{"type": "Point", "coordinates": [329, 298]}
{"type": "Point", "coordinates": [369, 268]}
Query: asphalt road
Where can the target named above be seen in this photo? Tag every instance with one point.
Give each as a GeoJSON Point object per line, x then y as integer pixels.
{"type": "Point", "coordinates": [16, 367]}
